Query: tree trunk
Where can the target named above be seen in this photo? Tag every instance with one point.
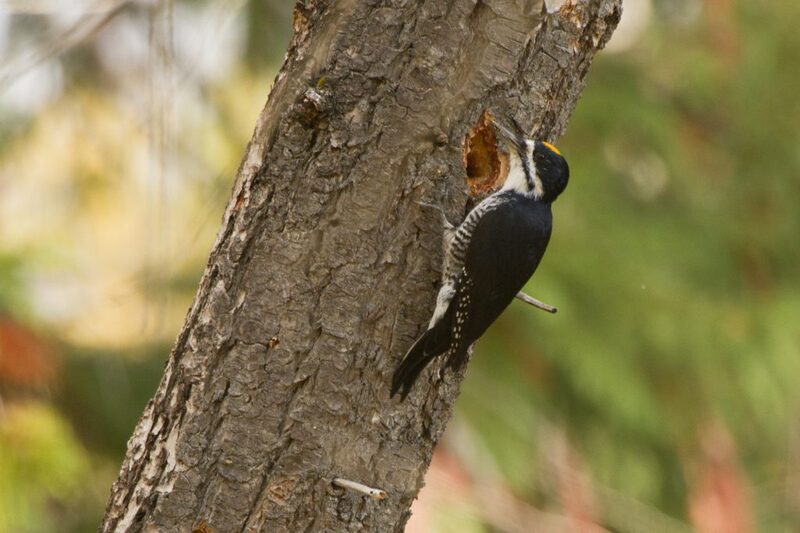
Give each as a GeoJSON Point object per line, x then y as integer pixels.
{"type": "Point", "coordinates": [325, 269]}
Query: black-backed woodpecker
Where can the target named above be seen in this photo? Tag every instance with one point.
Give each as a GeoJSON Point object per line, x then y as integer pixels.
{"type": "Point", "coordinates": [490, 256]}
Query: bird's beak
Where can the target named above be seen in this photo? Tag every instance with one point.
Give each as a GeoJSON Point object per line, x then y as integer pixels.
{"type": "Point", "coordinates": [512, 138]}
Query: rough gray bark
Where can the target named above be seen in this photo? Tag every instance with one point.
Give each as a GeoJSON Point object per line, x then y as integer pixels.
{"type": "Point", "coordinates": [325, 269]}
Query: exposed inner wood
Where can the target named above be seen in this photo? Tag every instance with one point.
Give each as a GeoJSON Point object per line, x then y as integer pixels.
{"type": "Point", "coordinates": [485, 161]}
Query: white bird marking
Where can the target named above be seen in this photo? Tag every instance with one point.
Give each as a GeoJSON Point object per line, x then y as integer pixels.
{"type": "Point", "coordinates": [516, 181]}
{"type": "Point", "coordinates": [443, 300]}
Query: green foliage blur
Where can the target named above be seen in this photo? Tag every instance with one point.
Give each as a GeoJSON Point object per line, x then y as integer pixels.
{"type": "Point", "coordinates": [660, 397]}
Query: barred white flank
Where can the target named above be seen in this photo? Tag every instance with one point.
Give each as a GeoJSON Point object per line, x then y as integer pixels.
{"type": "Point", "coordinates": [456, 244]}
{"type": "Point", "coordinates": [457, 251]}
{"type": "Point", "coordinates": [456, 240]}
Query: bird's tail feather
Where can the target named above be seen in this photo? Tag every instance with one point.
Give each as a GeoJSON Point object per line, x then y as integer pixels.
{"type": "Point", "coordinates": [431, 344]}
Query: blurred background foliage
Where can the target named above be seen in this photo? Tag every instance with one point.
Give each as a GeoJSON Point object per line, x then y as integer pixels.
{"type": "Point", "coordinates": [663, 395]}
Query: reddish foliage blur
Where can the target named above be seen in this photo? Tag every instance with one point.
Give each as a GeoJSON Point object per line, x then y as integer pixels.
{"type": "Point", "coordinates": [720, 498]}
{"type": "Point", "coordinates": [26, 360]}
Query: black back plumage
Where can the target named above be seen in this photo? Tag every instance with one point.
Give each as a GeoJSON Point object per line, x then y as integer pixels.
{"type": "Point", "coordinates": [505, 248]}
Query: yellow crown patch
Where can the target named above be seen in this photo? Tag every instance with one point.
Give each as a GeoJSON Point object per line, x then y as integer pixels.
{"type": "Point", "coordinates": [553, 148]}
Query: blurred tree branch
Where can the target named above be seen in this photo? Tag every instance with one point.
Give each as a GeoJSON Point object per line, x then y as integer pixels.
{"type": "Point", "coordinates": [278, 382]}
{"type": "Point", "coordinates": [87, 26]}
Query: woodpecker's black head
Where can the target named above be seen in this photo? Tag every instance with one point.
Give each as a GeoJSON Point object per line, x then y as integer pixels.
{"type": "Point", "coordinates": [536, 168]}
{"type": "Point", "coordinates": [551, 168]}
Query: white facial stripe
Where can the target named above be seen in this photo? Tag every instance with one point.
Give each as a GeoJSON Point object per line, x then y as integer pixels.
{"type": "Point", "coordinates": [516, 176]}
{"type": "Point", "coordinates": [538, 188]}
{"type": "Point", "coordinates": [516, 181]}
